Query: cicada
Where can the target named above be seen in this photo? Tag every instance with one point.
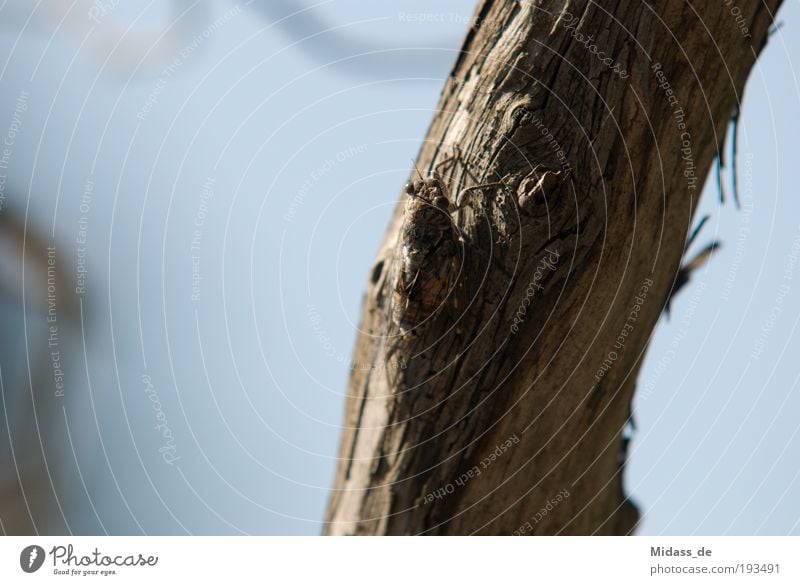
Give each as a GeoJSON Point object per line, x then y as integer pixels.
{"type": "Point", "coordinates": [429, 254]}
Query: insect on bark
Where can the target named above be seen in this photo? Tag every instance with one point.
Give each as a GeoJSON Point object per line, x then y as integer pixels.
{"type": "Point", "coordinates": [429, 253]}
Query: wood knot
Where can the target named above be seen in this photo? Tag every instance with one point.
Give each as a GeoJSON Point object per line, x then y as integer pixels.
{"type": "Point", "coordinates": [537, 188]}
{"type": "Point", "coordinates": [516, 112]}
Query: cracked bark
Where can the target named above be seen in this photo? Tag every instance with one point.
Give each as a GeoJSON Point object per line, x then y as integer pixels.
{"type": "Point", "coordinates": [564, 272]}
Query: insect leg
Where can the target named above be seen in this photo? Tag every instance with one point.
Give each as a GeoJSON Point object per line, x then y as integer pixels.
{"type": "Point", "coordinates": [453, 156]}
{"type": "Point", "coordinates": [461, 200]}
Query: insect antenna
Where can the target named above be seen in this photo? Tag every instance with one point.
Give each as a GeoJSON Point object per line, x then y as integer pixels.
{"type": "Point", "coordinates": [413, 162]}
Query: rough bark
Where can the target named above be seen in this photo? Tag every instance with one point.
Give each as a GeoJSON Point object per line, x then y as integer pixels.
{"type": "Point", "coordinates": [511, 397]}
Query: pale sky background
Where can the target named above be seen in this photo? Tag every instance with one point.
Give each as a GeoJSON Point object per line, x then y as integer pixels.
{"type": "Point", "coordinates": [305, 148]}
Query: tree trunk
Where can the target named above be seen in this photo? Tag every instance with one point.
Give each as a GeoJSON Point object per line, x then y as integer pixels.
{"type": "Point", "coordinates": [497, 360]}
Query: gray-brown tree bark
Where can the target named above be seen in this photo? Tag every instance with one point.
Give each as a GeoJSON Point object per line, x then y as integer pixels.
{"type": "Point", "coordinates": [496, 364]}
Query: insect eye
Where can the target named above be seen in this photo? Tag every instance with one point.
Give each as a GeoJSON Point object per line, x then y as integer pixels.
{"type": "Point", "coordinates": [441, 202]}
{"type": "Point", "coordinates": [409, 188]}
